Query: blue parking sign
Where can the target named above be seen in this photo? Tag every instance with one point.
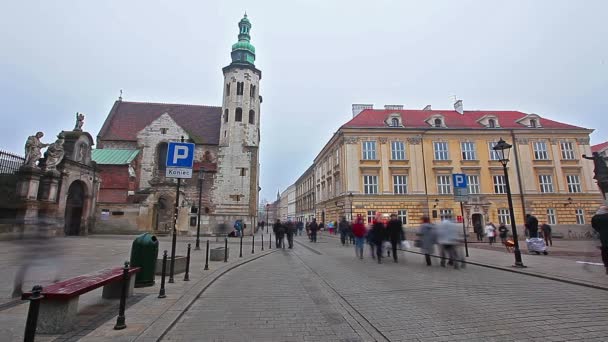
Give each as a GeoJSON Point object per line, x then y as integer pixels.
{"type": "Point", "coordinates": [460, 180]}
{"type": "Point", "coordinates": [180, 158]}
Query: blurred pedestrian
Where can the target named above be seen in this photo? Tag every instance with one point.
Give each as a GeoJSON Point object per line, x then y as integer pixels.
{"type": "Point", "coordinates": [279, 233]}
{"type": "Point", "coordinates": [359, 231]}
{"type": "Point", "coordinates": [290, 230]}
{"type": "Point", "coordinates": [599, 222]}
{"type": "Point", "coordinates": [427, 238]}
{"type": "Point", "coordinates": [300, 227]}
{"type": "Point", "coordinates": [447, 237]}
{"type": "Point", "coordinates": [343, 230]}
{"type": "Point", "coordinates": [532, 226]}
{"type": "Point", "coordinates": [378, 236]}
{"type": "Point", "coordinates": [478, 229]}
{"type": "Point", "coordinates": [330, 227]}
{"type": "Point", "coordinates": [395, 234]}
{"type": "Point", "coordinates": [546, 229]}
{"type": "Point", "coordinates": [491, 232]}
{"type": "Point", "coordinates": [502, 232]}
{"type": "Point", "coordinates": [314, 227]}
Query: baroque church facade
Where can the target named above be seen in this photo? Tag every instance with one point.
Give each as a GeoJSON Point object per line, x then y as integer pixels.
{"type": "Point", "coordinates": [135, 195]}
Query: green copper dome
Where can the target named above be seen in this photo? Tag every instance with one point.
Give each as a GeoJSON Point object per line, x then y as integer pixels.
{"type": "Point", "coordinates": [243, 51]}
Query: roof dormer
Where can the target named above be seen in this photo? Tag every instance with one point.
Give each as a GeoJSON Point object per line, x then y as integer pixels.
{"type": "Point", "coordinates": [394, 120]}
{"type": "Point", "coordinates": [530, 120]}
{"type": "Point", "coordinates": [490, 121]}
{"type": "Point", "coordinates": [436, 120]}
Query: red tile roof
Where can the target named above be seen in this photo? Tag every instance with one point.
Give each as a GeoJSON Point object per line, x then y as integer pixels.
{"type": "Point", "coordinates": [599, 147]}
{"type": "Point", "coordinates": [126, 119]}
{"type": "Point", "coordinates": [453, 119]}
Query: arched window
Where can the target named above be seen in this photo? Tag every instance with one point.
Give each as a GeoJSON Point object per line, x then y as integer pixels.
{"type": "Point", "coordinates": [533, 123]}
{"type": "Point", "coordinates": [161, 156]}
{"type": "Point", "coordinates": [492, 123]}
{"type": "Point", "coordinates": [251, 90]}
{"type": "Point", "coordinates": [437, 122]}
{"type": "Point", "coordinates": [238, 115]}
{"type": "Point", "coordinates": [252, 117]}
{"type": "Point", "coordinates": [394, 122]}
{"type": "Point", "coordinates": [226, 115]}
{"type": "Point", "coordinates": [228, 89]}
{"type": "Point", "coordinates": [239, 88]}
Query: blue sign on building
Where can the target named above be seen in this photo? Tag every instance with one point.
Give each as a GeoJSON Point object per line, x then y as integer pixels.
{"type": "Point", "coordinates": [180, 158]}
{"type": "Point", "coordinates": [460, 180]}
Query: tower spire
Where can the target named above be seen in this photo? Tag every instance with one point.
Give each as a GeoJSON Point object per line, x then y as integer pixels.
{"type": "Point", "coordinates": [243, 52]}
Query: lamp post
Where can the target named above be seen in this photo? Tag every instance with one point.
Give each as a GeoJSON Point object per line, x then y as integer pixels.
{"type": "Point", "coordinates": [350, 200]}
{"type": "Point", "coordinates": [267, 207]}
{"type": "Point", "coordinates": [201, 177]}
{"type": "Point", "coordinates": [502, 148]}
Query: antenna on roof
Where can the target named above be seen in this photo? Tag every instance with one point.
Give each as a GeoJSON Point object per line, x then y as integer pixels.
{"type": "Point", "coordinates": [120, 96]}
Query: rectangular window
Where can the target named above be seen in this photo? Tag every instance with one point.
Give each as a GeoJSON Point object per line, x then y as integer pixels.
{"type": "Point", "coordinates": [441, 150]}
{"type": "Point", "coordinates": [546, 183]}
{"type": "Point", "coordinates": [468, 151]}
{"type": "Point", "coordinates": [500, 187]}
{"type": "Point", "coordinates": [567, 150]}
{"type": "Point", "coordinates": [338, 156]}
{"type": "Point", "coordinates": [371, 215]}
{"type": "Point", "coordinates": [473, 184]}
{"type": "Point", "coordinates": [504, 216]}
{"type": "Point", "coordinates": [443, 185]}
{"type": "Point", "coordinates": [493, 154]}
{"type": "Point", "coordinates": [370, 185]}
{"type": "Point", "coordinates": [400, 185]}
{"type": "Point", "coordinates": [397, 150]}
{"type": "Point", "coordinates": [369, 150]}
{"type": "Point", "coordinates": [551, 219]}
{"type": "Point", "coordinates": [540, 150]}
{"type": "Point", "coordinates": [402, 215]}
{"type": "Point", "coordinates": [574, 183]}
{"type": "Point", "coordinates": [445, 214]}
{"type": "Point", "coordinates": [240, 87]}
{"type": "Point", "coordinates": [580, 216]}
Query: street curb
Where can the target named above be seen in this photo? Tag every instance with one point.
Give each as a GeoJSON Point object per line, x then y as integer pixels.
{"type": "Point", "coordinates": [168, 325]}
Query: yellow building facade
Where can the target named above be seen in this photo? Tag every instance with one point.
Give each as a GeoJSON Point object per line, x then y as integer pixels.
{"type": "Point", "coordinates": [402, 161]}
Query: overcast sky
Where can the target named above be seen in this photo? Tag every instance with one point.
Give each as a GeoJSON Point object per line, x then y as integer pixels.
{"type": "Point", "coordinates": [317, 58]}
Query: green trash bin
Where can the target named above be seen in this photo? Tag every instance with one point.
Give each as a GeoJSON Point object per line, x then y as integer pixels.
{"type": "Point", "coordinates": [144, 253]}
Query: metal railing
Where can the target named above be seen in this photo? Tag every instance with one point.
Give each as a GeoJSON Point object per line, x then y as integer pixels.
{"type": "Point", "coordinates": [10, 163]}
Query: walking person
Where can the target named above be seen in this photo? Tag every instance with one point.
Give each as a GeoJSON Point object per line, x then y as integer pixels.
{"type": "Point", "coordinates": [532, 226]}
{"type": "Point", "coordinates": [599, 222]}
{"type": "Point", "coordinates": [290, 230]}
{"type": "Point", "coordinates": [447, 237]}
{"type": "Point", "coordinates": [395, 234]}
{"type": "Point", "coordinates": [491, 232]}
{"type": "Point", "coordinates": [343, 229]}
{"type": "Point", "coordinates": [478, 229]}
{"type": "Point", "coordinates": [546, 229]}
{"type": "Point", "coordinates": [359, 233]}
{"type": "Point", "coordinates": [314, 227]}
{"type": "Point", "coordinates": [378, 236]}
{"type": "Point", "coordinates": [279, 233]}
{"type": "Point", "coordinates": [502, 232]}
{"type": "Point", "coordinates": [427, 238]}
{"type": "Point", "coordinates": [300, 227]}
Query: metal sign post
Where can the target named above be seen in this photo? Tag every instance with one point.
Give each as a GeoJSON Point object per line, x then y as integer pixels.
{"type": "Point", "coordinates": [180, 158]}
{"type": "Point", "coordinates": [461, 194]}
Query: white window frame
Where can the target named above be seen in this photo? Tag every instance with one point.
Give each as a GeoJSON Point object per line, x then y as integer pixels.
{"type": "Point", "coordinates": [370, 184]}
{"type": "Point", "coordinates": [580, 216]}
{"type": "Point", "coordinates": [402, 215]}
{"type": "Point", "coordinates": [371, 215]}
{"type": "Point", "coordinates": [446, 214]}
{"type": "Point", "coordinates": [504, 216]}
{"type": "Point", "coordinates": [400, 184]}
{"type": "Point", "coordinates": [473, 184]}
{"type": "Point", "coordinates": [468, 150]}
{"type": "Point", "coordinates": [574, 184]}
{"type": "Point", "coordinates": [500, 184]}
{"type": "Point", "coordinates": [551, 217]}
{"type": "Point", "coordinates": [397, 150]}
{"type": "Point", "coordinates": [338, 156]}
{"type": "Point", "coordinates": [444, 184]}
{"type": "Point", "coordinates": [546, 184]}
{"type": "Point", "coordinates": [441, 149]}
{"type": "Point", "coordinates": [369, 149]}
{"type": "Point", "coordinates": [567, 148]}
{"type": "Point", "coordinates": [540, 150]}
{"type": "Point", "coordinates": [493, 153]}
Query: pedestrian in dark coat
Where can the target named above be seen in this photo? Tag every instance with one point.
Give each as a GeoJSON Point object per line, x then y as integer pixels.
{"type": "Point", "coordinates": [279, 233]}
{"type": "Point", "coordinates": [314, 227]}
{"type": "Point", "coordinates": [532, 225]}
{"type": "Point", "coordinates": [478, 229]}
{"type": "Point", "coordinates": [502, 232]}
{"type": "Point", "coordinates": [395, 234]}
{"type": "Point", "coordinates": [428, 239]}
{"type": "Point", "coordinates": [290, 230]}
{"type": "Point", "coordinates": [599, 222]}
{"type": "Point", "coordinates": [378, 236]}
{"type": "Point", "coordinates": [343, 227]}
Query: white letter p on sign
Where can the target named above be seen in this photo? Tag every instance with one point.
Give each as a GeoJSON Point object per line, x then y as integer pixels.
{"type": "Point", "coordinates": [181, 152]}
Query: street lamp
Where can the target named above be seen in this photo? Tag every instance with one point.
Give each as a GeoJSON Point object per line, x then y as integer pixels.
{"type": "Point", "coordinates": [267, 207]}
{"type": "Point", "coordinates": [201, 177]}
{"type": "Point", "coordinates": [350, 200]}
{"type": "Point", "coordinates": [502, 149]}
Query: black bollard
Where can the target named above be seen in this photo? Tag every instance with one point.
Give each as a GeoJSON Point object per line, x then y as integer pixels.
{"type": "Point", "coordinates": [161, 294]}
{"type": "Point", "coordinates": [120, 321]}
{"type": "Point", "coordinates": [172, 267]}
{"type": "Point", "coordinates": [225, 249]}
{"type": "Point", "coordinates": [32, 314]}
{"type": "Point", "coordinates": [252, 244]}
{"type": "Point", "coordinates": [270, 241]}
{"type": "Point", "coordinates": [241, 248]}
{"type": "Point", "coordinates": [207, 256]}
{"type": "Point", "coordinates": [262, 241]}
{"type": "Point", "coordinates": [187, 275]}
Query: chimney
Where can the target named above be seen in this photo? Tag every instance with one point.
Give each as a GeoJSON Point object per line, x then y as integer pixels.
{"type": "Point", "coordinates": [427, 107]}
{"type": "Point", "coordinates": [358, 108]}
{"type": "Point", "coordinates": [458, 107]}
{"type": "Point", "coordinates": [393, 107]}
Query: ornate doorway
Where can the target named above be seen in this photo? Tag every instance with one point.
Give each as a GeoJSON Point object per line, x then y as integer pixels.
{"type": "Point", "coordinates": [74, 208]}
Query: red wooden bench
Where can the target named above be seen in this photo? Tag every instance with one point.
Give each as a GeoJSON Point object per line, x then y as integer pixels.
{"type": "Point", "coordinates": [59, 306]}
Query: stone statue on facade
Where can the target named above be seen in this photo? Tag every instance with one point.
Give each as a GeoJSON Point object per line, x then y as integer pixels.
{"type": "Point", "coordinates": [79, 122]}
{"type": "Point", "coordinates": [33, 145]}
{"type": "Point", "coordinates": [54, 154]}
{"type": "Point", "coordinates": [600, 169]}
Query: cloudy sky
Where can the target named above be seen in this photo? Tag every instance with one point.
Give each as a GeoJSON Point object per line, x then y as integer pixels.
{"type": "Point", "coordinates": [317, 58]}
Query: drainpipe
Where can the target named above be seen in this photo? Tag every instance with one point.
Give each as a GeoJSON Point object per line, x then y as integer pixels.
{"type": "Point", "coordinates": [518, 169]}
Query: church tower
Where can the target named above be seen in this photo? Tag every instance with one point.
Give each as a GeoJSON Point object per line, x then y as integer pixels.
{"type": "Point", "coordinates": [235, 191]}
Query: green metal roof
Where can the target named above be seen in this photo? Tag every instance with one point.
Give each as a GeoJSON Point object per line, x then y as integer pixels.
{"type": "Point", "coordinates": [108, 156]}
